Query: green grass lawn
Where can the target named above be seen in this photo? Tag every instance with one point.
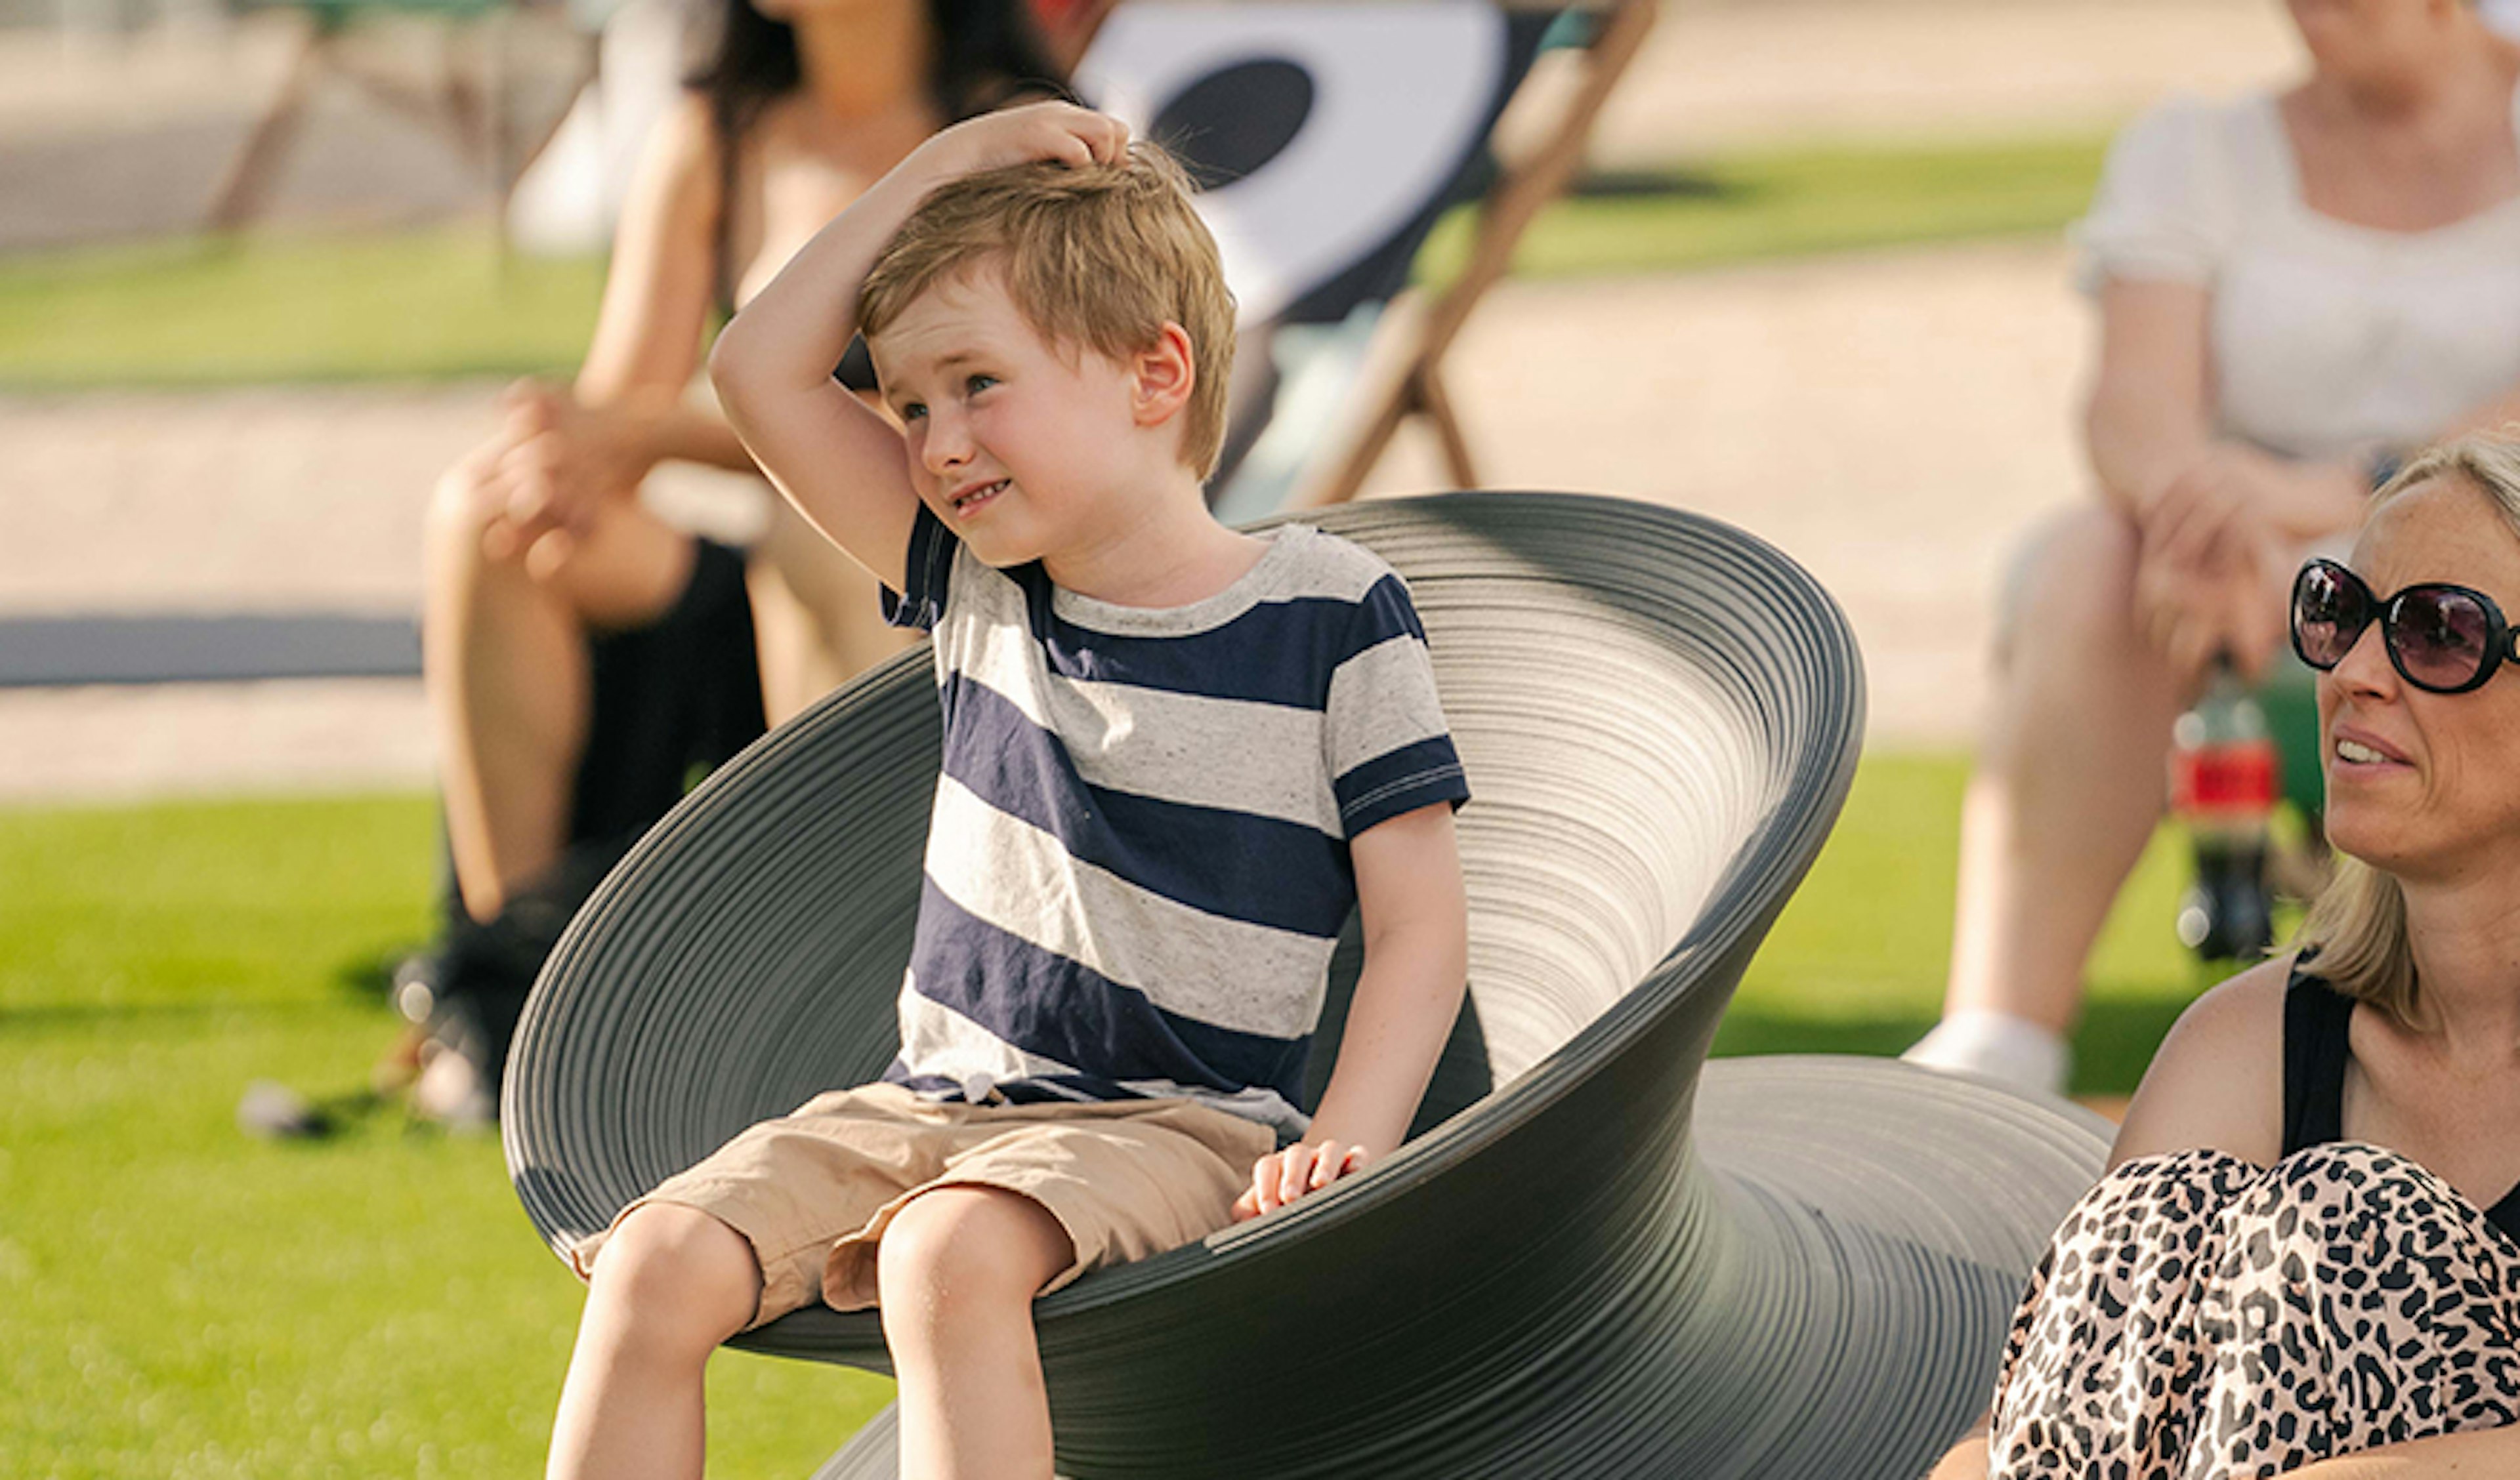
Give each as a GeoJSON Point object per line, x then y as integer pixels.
{"type": "Point", "coordinates": [177, 1300]}
{"type": "Point", "coordinates": [437, 304]}
{"type": "Point", "coordinates": [423, 306]}
{"type": "Point", "coordinates": [1855, 962]}
{"type": "Point", "coordinates": [1797, 202]}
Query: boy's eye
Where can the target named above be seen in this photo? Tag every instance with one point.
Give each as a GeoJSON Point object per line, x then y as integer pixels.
{"type": "Point", "coordinates": [912, 411]}
{"type": "Point", "coordinates": [974, 385]}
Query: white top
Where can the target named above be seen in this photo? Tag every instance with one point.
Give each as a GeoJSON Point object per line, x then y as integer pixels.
{"type": "Point", "coordinates": [2327, 337]}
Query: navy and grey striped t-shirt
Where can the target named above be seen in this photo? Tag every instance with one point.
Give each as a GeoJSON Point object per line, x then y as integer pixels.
{"type": "Point", "coordinates": [1138, 861]}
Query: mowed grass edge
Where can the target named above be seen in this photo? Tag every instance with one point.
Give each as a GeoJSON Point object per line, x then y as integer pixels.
{"type": "Point", "coordinates": [441, 304]}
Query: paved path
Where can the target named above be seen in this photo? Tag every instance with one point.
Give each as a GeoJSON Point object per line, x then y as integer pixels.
{"type": "Point", "coordinates": [1891, 421]}
{"type": "Point", "coordinates": [1757, 72]}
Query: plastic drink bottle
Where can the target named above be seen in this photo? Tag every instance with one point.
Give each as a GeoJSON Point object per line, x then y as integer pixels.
{"type": "Point", "coordinates": [2223, 786]}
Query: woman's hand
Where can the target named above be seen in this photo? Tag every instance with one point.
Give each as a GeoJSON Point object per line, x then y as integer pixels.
{"type": "Point", "coordinates": [1059, 131]}
{"type": "Point", "coordinates": [2209, 581]}
{"type": "Point", "coordinates": [557, 464]}
{"type": "Point", "coordinates": [1281, 1177]}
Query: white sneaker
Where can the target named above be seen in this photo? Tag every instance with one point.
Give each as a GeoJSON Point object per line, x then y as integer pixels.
{"type": "Point", "coordinates": [1997, 1046]}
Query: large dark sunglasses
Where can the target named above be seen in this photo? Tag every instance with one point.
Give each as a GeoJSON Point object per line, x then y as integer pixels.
{"type": "Point", "coordinates": [2442, 638]}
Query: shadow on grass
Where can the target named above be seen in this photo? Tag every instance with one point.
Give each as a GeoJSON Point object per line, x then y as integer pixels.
{"type": "Point", "coordinates": [1656, 183]}
{"type": "Point", "coordinates": [139, 1016]}
{"type": "Point", "coordinates": [370, 976]}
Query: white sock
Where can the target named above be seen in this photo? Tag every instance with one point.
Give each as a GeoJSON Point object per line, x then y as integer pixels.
{"type": "Point", "coordinates": [1997, 1046]}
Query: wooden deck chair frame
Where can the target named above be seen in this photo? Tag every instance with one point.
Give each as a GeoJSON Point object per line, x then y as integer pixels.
{"type": "Point", "coordinates": [1537, 154]}
{"type": "Point", "coordinates": [1540, 145]}
{"type": "Point", "coordinates": [473, 107]}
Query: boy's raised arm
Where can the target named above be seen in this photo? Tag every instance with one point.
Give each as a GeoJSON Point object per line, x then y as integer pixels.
{"type": "Point", "coordinates": [838, 461]}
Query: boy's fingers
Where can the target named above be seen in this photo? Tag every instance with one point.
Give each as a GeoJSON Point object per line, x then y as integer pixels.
{"type": "Point", "coordinates": [1264, 1183]}
{"type": "Point", "coordinates": [1283, 1176]}
{"type": "Point", "coordinates": [1112, 136]}
{"type": "Point", "coordinates": [1336, 1162]}
{"type": "Point", "coordinates": [1295, 1171]}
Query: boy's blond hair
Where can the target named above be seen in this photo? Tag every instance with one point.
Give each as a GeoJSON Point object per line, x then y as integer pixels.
{"type": "Point", "coordinates": [1100, 255]}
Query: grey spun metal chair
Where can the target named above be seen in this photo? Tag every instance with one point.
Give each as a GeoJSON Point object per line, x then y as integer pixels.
{"type": "Point", "coordinates": [1600, 1256]}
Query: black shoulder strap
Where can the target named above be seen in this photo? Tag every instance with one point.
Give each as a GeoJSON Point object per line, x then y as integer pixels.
{"type": "Point", "coordinates": [2318, 1044]}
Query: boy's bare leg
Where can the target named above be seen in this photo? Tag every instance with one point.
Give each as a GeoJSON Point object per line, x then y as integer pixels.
{"type": "Point", "coordinates": [505, 659]}
{"type": "Point", "coordinates": [958, 1270]}
{"type": "Point", "coordinates": [670, 1286]}
{"type": "Point", "coordinates": [2071, 780]}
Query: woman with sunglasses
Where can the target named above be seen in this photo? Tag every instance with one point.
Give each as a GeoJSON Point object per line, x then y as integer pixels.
{"type": "Point", "coordinates": [2305, 1259]}
{"type": "Point", "coordinates": [2292, 287]}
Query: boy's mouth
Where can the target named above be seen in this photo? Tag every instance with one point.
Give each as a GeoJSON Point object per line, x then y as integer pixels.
{"type": "Point", "coordinates": [973, 498]}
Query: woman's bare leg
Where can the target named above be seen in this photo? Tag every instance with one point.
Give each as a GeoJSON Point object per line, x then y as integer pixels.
{"type": "Point", "coordinates": [817, 618]}
{"type": "Point", "coordinates": [958, 1270]}
{"type": "Point", "coordinates": [670, 1286]}
{"type": "Point", "coordinates": [2070, 782]}
{"type": "Point", "coordinates": [505, 659]}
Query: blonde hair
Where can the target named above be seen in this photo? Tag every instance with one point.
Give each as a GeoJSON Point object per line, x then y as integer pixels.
{"type": "Point", "coordinates": [2357, 925]}
{"type": "Point", "coordinates": [1099, 255]}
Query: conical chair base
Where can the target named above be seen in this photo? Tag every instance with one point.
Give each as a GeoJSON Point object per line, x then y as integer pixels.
{"type": "Point", "coordinates": [1855, 1234]}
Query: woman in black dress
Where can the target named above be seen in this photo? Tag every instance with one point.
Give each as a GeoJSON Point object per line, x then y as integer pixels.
{"type": "Point", "coordinates": [586, 658]}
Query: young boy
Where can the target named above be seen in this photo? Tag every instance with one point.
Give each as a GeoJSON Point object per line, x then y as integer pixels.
{"type": "Point", "coordinates": [1175, 757]}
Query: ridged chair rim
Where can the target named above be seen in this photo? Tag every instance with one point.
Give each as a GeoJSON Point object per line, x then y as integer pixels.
{"type": "Point", "coordinates": [1788, 834]}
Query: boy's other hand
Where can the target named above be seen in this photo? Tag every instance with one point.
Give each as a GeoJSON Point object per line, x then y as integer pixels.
{"type": "Point", "coordinates": [1060, 131]}
{"type": "Point", "coordinates": [1281, 1177]}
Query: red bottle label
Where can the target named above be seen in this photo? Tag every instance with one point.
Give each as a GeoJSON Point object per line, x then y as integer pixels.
{"type": "Point", "coordinates": [2224, 779]}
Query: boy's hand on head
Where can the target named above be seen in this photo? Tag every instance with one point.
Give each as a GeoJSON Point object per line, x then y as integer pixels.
{"type": "Point", "coordinates": [1281, 1177]}
{"type": "Point", "coordinates": [1059, 131]}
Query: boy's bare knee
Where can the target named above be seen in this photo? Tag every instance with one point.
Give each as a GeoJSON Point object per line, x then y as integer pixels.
{"type": "Point", "coordinates": [963, 1246]}
{"type": "Point", "coordinates": [680, 1272]}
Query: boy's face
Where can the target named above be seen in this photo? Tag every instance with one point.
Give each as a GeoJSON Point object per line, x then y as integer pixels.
{"type": "Point", "coordinates": [1016, 444]}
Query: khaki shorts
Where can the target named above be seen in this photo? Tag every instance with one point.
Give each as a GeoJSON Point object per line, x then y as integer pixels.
{"type": "Point", "coordinates": [813, 1191]}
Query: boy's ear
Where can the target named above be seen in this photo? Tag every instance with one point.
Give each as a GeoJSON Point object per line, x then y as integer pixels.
{"type": "Point", "coordinates": [1163, 375]}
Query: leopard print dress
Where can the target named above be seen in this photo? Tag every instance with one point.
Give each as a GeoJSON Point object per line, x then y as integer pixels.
{"type": "Point", "coordinates": [2198, 1317]}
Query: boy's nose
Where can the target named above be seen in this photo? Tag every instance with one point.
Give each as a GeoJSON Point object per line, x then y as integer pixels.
{"type": "Point", "coordinates": [944, 448]}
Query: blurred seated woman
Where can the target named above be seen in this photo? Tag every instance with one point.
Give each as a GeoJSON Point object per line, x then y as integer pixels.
{"type": "Point", "coordinates": [585, 658]}
{"type": "Point", "coordinates": [2305, 1259]}
{"type": "Point", "coordinates": [2293, 290]}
